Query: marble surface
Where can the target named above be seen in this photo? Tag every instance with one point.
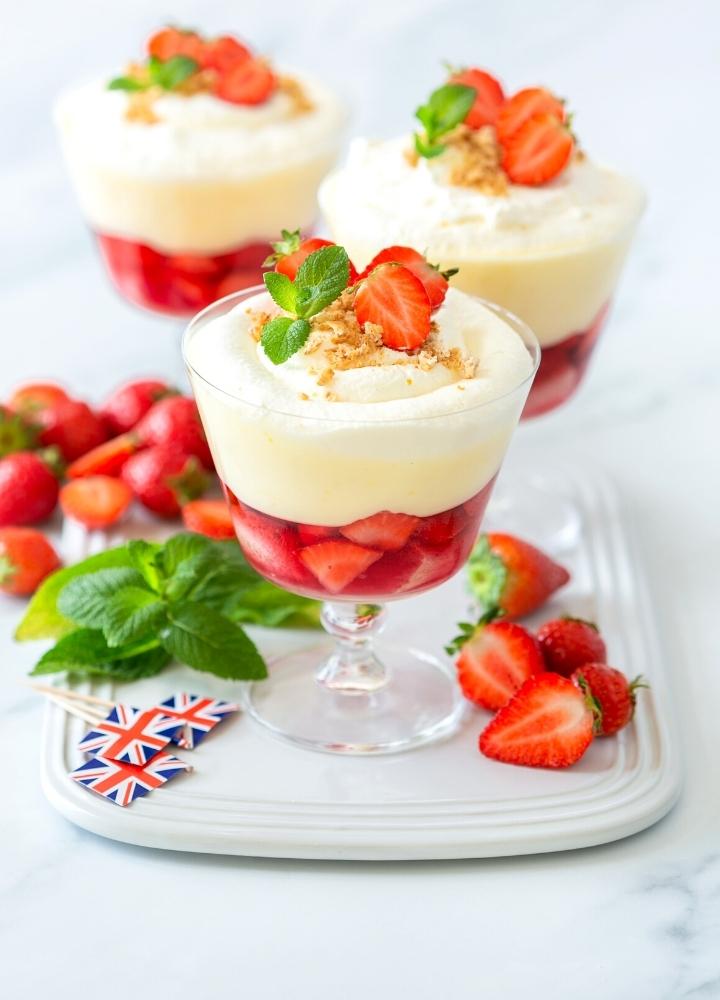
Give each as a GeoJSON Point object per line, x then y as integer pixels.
{"type": "Point", "coordinates": [636, 919]}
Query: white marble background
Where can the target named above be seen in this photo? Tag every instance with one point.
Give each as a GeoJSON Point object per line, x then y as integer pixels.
{"type": "Point", "coordinates": [639, 919]}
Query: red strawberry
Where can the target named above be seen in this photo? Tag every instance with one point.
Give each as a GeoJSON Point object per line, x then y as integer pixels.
{"type": "Point", "coordinates": [72, 427]}
{"type": "Point", "coordinates": [223, 53]}
{"type": "Point", "coordinates": [208, 517]}
{"type": "Point", "coordinates": [26, 558]}
{"type": "Point", "coordinates": [250, 81]}
{"type": "Point", "coordinates": [95, 501]}
{"type": "Point", "coordinates": [311, 533]}
{"type": "Point", "coordinates": [394, 299]}
{"type": "Point", "coordinates": [613, 692]}
{"type": "Point", "coordinates": [336, 562]}
{"type": "Point", "coordinates": [522, 106]}
{"type": "Point", "coordinates": [496, 658]}
{"type": "Point", "coordinates": [270, 545]}
{"type": "Point", "coordinates": [175, 421]}
{"type": "Point", "coordinates": [290, 251]}
{"type": "Point", "coordinates": [538, 151]}
{"type": "Point", "coordinates": [384, 531]}
{"type": "Point", "coordinates": [434, 281]}
{"type": "Point", "coordinates": [128, 404]}
{"type": "Point", "coordinates": [569, 643]}
{"type": "Point", "coordinates": [548, 723]}
{"type": "Point", "coordinates": [105, 460]}
{"type": "Point", "coordinates": [169, 42]}
{"type": "Point", "coordinates": [28, 489]}
{"type": "Point", "coordinates": [164, 477]}
{"type": "Point", "coordinates": [513, 575]}
{"type": "Point", "coordinates": [439, 529]}
{"type": "Point", "coordinates": [489, 96]}
{"type": "Point", "coordinates": [34, 396]}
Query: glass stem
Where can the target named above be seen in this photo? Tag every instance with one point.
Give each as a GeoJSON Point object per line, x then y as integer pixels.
{"type": "Point", "coordinates": [353, 667]}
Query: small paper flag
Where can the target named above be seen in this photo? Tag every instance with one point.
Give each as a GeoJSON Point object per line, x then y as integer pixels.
{"type": "Point", "coordinates": [121, 782]}
{"type": "Point", "coordinates": [131, 734]}
{"type": "Point", "coordinates": [198, 716]}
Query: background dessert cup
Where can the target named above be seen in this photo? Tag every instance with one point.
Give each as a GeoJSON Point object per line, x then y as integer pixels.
{"type": "Point", "coordinates": [357, 507]}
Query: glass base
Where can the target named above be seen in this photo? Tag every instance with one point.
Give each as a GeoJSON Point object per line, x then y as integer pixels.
{"type": "Point", "coordinates": [529, 507]}
{"type": "Point", "coordinates": [418, 702]}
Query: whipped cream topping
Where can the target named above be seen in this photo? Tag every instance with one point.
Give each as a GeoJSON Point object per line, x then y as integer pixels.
{"type": "Point", "coordinates": [379, 192]}
{"type": "Point", "coordinates": [199, 137]}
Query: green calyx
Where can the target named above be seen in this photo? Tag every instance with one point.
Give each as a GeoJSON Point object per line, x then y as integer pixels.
{"type": "Point", "coordinates": [467, 630]}
{"type": "Point", "coordinates": [189, 484]}
{"type": "Point", "coordinates": [7, 570]}
{"type": "Point", "coordinates": [446, 108]}
{"type": "Point", "coordinates": [487, 574]}
{"type": "Point", "coordinates": [320, 279]}
{"type": "Point", "coordinates": [16, 433]}
{"type": "Point", "coordinates": [592, 704]}
{"type": "Point", "coordinates": [288, 243]}
{"type": "Point", "coordinates": [167, 74]}
{"type": "Point", "coordinates": [580, 621]}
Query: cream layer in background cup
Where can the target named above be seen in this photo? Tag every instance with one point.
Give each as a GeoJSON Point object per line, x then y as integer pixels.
{"type": "Point", "coordinates": [550, 252]}
{"type": "Point", "coordinates": [184, 183]}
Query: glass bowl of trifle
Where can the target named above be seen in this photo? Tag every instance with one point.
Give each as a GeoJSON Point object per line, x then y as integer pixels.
{"type": "Point", "coordinates": [498, 187]}
{"type": "Point", "coordinates": [358, 423]}
{"type": "Point", "coordinates": [187, 162]}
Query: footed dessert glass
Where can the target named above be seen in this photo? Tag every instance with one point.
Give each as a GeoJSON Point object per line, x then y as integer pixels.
{"type": "Point", "coordinates": [363, 696]}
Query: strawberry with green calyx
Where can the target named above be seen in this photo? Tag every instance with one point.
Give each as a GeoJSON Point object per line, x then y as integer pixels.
{"type": "Point", "coordinates": [434, 281]}
{"type": "Point", "coordinates": [33, 396]}
{"type": "Point", "coordinates": [506, 572]}
{"type": "Point", "coordinates": [568, 643]}
{"type": "Point", "coordinates": [291, 250]}
{"type": "Point", "coordinates": [613, 693]}
{"type": "Point", "coordinates": [26, 558]}
{"type": "Point", "coordinates": [163, 478]}
{"type": "Point", "coordinates": [72, 427]}
{"type": "Point", "coordinates": [16, 433]}
{"type": "Point", "coordinates": [496, 658]}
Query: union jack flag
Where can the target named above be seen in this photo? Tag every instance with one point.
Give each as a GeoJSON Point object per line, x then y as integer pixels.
{"type": "Point", "coordinates": [132, 735]}
{"type": "Point", "coordinates": [122, 782]}
{"type": "Point", "coordinates": [198, 714]}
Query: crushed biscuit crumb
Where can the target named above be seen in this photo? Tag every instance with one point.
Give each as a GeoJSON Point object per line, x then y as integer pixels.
{"type": "Point", "coordinates": [295, 91]}
{"type": "Point", "coordinates": [475, 159]}
{"type": "Point", "coordinates": [303, 395]}
{"type": "Point", "coordinates": [258, 319]}
{"type": "Point", "coordinates": [326, 377]}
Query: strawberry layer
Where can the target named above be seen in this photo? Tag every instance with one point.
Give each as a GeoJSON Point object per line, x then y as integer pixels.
{"type": "Point", "coordinates": [379, 558]}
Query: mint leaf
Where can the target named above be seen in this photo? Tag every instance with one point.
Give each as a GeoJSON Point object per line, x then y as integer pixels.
{"type": "Point", "coordinates": [282, 290]}
{"type": "Point", "coordinates": [204, 639]}
{"type": "Point", "coordinates": [427, 150]}
{"type": "Point", "coordinates": [43, 620]}
{"type": "Point", "coordinates": [145, 557]}
{"type": "Point", "coordinates": [126, 83]}
{"type": "Point", "coordinates": [170, 73]}
{"type": "Point", "coordinates": [268, 605]}
{"type": "Point", "coordinates": [84, 600]}
{"type": "Point", "coordinates": [181, 547]}
{"type": "Point", "coordinates": [85, 651]}
{"type": "Point", "coordinates": [446, 107]}
{"type": "Point", "coordinates": [320, 279]}
{"type": "Point", "coordinates": [282, 337]}
{"type": "Point", "coordinates": [132, 614]}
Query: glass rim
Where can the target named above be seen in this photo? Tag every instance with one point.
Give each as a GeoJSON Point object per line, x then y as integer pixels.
{"type": "Point", "coordinates": [224, 305]}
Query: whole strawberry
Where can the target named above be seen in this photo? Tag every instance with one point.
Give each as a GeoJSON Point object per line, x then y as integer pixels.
{"type": "Point", "coordinates": [568, 643]}
{"type": "Point", "coordinates": [126, 406]}
{"type": "Point", "coordinates": [72, 427]}
{"type": "Point", "coordinates": [28, 489]}
{"type": "Point", "coordinates": [613, 692]}
{"type": "Point", "coordinates": [26, 558]}
{"type": "Point", "coordinates": [175, 422]}
{"type": "Point", "coordinates": [163, 478]}
{"type": "Point", "coordinates": [508, 573]}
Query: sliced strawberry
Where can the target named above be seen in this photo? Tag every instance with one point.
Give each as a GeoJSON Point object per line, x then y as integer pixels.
{"type": "Point", "coordinates": [511, 574]}
{"type": "Point", "coordinates": [436, 564]}
{"type": "Point", "coordinates": [434, 281]}
{"type": "Point", "coordinates": [96, 501]}
{"type": "Point", "coordinates": [208, 517]}
{"type": "Point", "coordinates": [569, 643]}
{"type": "Point", "coordinates": [34, 396]}
{"type": "Point", "coordinates": [393, 298]}
{"type": "Point", "coordinates": [522, 106]}
{"type": "Point", "coordinates": [336, 562]}
{"type": "Point", "coordinates": [548, 723]}
{"type": "Point", "coordinates": [311, 533]}
{"type": "Point", "coordinates": [270, 545]}
{"type": "Point", "coordinates": [392, 574]}
{"type": "Point", "coordinates": [250, 81]}
{"type": "Point", "coordinates": [495, 661]}
{"type": "Point", "coordinates": [169, 42]}
{"type": "Point", "coordinates": [439, 529]}
{"type": "Point", "coordinates": [26, 558]}
{"type": "Point", "coordinates": [614, 693]}
{"type": "Point", "coordinates": [384, 531]}
{"type": "Point", "coordinates": [489, 96]}
{"type": "Point", "coordinates": [105, 460]}
{"type": "Point", "coordinates": [538, 151]}
{"type": "Point", "coordinates": [223, 53]}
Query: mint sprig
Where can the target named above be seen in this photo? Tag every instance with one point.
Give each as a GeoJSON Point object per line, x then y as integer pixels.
{"type": "Point", "coordinates": [446, 108]}
{"type": "Point", "coordinates": [167, 74]}
{"type": "Point", "coordinates": [127, 612]}
{"type": "Point", "coordinates": [320, 279]}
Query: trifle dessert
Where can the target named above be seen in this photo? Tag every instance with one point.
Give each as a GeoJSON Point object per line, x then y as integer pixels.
{"type": "Point", "coordinates": [498, 187]}
{"type": "Point", "coordinates": [188, 161]}
{"type": "Point", "coordinates": [358, 422]}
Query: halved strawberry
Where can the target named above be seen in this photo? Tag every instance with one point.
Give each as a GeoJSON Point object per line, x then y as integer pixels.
{"type": "Point", "coordinates": [434, 281]}
{"type": "Point", "coordinates": [384, 531]}
{"type": "Point", "coordinates": [496, 658]}
{"type": "Point", "coordinates": [568, 643]}
{"type": "Point", "coordinates": [548, 723]}
{"type": "Point", "coordinates": [208, 517]}
{"type": "Point", "coordinates": [538, 151]}
{"type": "Point", "coordinates": [489, 99]}
{"type": "Point", "coordinates": [26, 558]}
{"type": "Point", "coordinates": [223, 53]}
{"type": "Point", "coordinates": [96, 501]}
{"type": "Point", "coordinates": [393, 298]}
{"type": "Point", "coordinates": [438, 529]}
{"type": "Point", "coordinates": [250, 81]}
{"type": "Point", "coordinates": [105, 460]}
{"type": "Point", "coordinates": [614, 693]}
{"type": "Point", "coordinates": [522, 106]}
{"type": "Point", "coordinates": [169, 42]}
{"type": "Point", "coordinates": [270, 544]}
{"type": "Point", "coordinates": [337, 562]}
{"type": "Point", "coordinates": [311, 533]}
{"type": "Point", "coordinates": [511, 574]}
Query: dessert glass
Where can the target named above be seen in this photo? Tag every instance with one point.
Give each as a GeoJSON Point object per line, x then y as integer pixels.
{"type": "Point", "coordinates": [363, 696]}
